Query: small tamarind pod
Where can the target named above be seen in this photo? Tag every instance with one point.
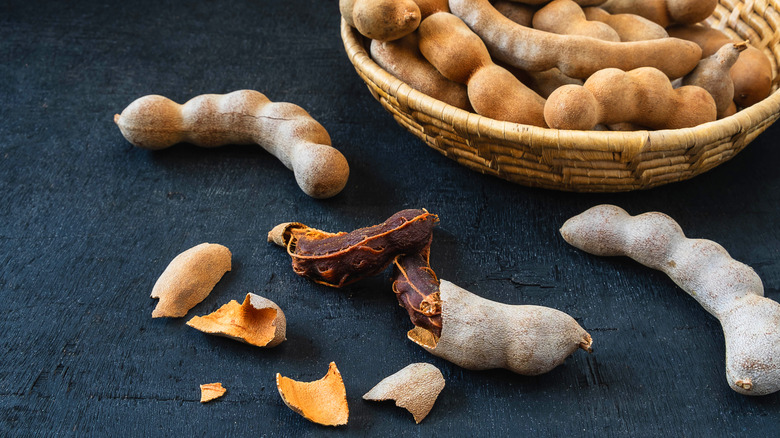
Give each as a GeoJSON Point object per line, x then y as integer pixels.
{"type": "Point", "coordinates": [664, 12]}
{"type": "Point", "coordinates": [576, 56]}
{"type": "Point", "coordinates": [461, 56]}
{"type": "Point", "coordinates": [242, 117]}
{"type": "Point", "coordinates": [566, 17]}
{"type": "Point", "coordinates": [729, 290]}
{"type": "Point", "coordinates": [520, 13]}
{"type": "Point", "coordinates": [480, 334]}
{"type": "Point", "coordinates": [751, 74]}
{"type": "Point", "coordinates": [383, 20]}
{"type": "Point", "coordinates": [402, 59]}
{"type": "Point", "coordinates": [630, 27]}
{"type": "Point", "coordinates": [543, 2]}
{"type": "Point", "coordinates": [339, 259]}
{"type": "Point", "coordinates": [713, 74]}
{"type": "Point", "coordinates": [417, 289]}
{"type": "Point", "coordinates": [643, 96]}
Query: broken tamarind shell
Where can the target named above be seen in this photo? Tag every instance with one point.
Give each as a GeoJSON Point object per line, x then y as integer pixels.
{"type": "Point", "coordinates": [414, 388]}
{"type": "Point", "coordinates": [323, 401]}
{"type": "Point", "coordinates": [417, 289]}
{"type": "Point", "coordinates": [339, 259]}
{"type": "Point", "coordinates": [257, 321]}
{"type": "Point", "coordinates": [211, 391]}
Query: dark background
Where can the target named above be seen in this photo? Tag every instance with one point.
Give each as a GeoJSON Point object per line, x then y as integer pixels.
{"type": "Point", "coordinates": [88, 223]}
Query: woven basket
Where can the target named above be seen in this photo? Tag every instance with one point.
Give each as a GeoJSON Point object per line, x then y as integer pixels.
{"type": "Point", "coordinates": [584, 161]}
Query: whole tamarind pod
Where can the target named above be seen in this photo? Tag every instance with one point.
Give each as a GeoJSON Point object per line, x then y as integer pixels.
{"type": "Point", "coordinates": [664, 12]}
{"type": "Point", "coordinates": [383, 20]}
{"type": "Point", "coordinates": [402, 59]}
{"type": "Point", "coordinates": [518, 12]}
{"type": "Point", "coordinates": [751, 74]}
{"type": "Point", "coordinates": [417, 289]}
{"type": "Point", "coordinates": [576, 56]}
{"type": "Point", "coordinates": [566, 17]}
{"type": "Point", "coordinates": [480, 334]}
{"type": "Point", "coordinates": [242, 117]}
{"type": "Point", "coordinates": [713, 74]}
{"type": "Point", "coordinates": [461, 56]}
{"type": "Point", "coordinates": [339, 259]}
{"type": "Point", "coordinates": [729, 290]}
{"type": "Point", "coordinates": [630, 27]}
{"type": "Point", "coordinates": [643, 96]}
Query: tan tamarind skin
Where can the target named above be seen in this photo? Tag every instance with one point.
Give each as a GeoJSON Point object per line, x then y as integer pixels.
{"type": "Point", "coordinates": [383, 20]}
{"type": "Point", "coordinates": [664, 12]}
{"type": "Point", "coordinates": [751, 74]}
{"type": "Point", "coordinates": [461, 56]}
{"type": "Point", "coordinates": [713, 74]}
{"type": "Point", "coordinates": [546, 82]}
{"type": "Point", "coordinates": [566, 17]}
{"type": "Point", "coordinates": [480, 334]}
{"type": "Point", "coordinates": [242, 117]}
{"type": "Point", "coordinates": [629, 27]}
{"type": "Point", "coordinates": [518, 12]}
{"type": "Point", "coordinates": [543, 2]}
{"type": "Point", "coordinates": [729, 290]}
{"type": "Point", "coordinates": [576, 56]}
{"type": "Point", "coordinates": [402, 59]}
{"type": "Point", "coordinates": [643, 96]}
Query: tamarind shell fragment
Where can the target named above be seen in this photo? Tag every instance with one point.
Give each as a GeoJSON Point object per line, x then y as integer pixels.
{"type": "Point", "coordinates": [339, 259]}
{"type": "Point", "coordinates": [417, 289]}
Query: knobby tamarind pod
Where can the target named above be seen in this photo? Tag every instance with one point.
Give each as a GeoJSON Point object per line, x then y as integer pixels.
{"type": "Point", "coordinates": [480, 334]}
{"type": "Point", "coordinates": [576, 56]}
{"type": "Point", "coordinates": [388, 20]}
{"type": "Point", "coordinates": [729, 290]}
{"type": "Point", "coordinates": [339, 259]}
{"type": "Point", "coordinates": [713, 74]}
{"type": "Point", "coordinates": [629, 27]}
{"type": "Point", "coordinates": [664, 12]}
{"type": "Point", "coordinates": [417, 289]}
{"type": "Point", "coordinates": [242, 117]}
{"type": "Point", "coordinates": [566, 17]}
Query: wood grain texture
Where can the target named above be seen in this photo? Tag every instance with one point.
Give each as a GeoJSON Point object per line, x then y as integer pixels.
{"type": "Point", "coordinates": [88, 223]}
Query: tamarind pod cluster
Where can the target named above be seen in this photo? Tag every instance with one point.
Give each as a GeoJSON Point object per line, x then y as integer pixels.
{"type": "Point", "coordinates": [461, 56]}
{"type": "Point", "coordinates": [402, 59]}
{"type": "Point", "coordinates": [480, 334]}
{"type": "Point", "coordinates": [417, 289]}
{"type": "Point", "coordinates": [242, 117]}
{"type": "Point", "coordinates": [751, 74]}
{"type": "Point", "coordinates": [629, 27]}
{"type": "Point", "coordinates": [664, 12]}
{"type": "Point", "coordinates": [566, 17]}
{"type": "Point", "coordinates": [729, 290]}
{"type": "Point", "coordinates": [654, 103]}
{"type": "Point", "coordinates": [713, 74]}
{"type": "Point", "coordinates": [339, 259]}
{"type": "Point", "coordinates": [576, 56]}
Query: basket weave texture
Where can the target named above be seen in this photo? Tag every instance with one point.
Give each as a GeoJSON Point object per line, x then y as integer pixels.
{"type": "Point", "coordinates": [583, 161]}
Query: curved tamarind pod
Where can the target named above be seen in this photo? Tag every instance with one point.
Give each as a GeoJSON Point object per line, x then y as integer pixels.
{"type": "Point", "coordinates": [729, 290]}
{"type": "Point", "coordinates": [664, 12]}
{"type": "Point", "coordinates": [630, 27]}
{"type": "Point", "coordinates": [713, 74]}
{"type": "Point", "coordinates": [339, 259]}
{"type": "Point", "coordinates": [643, 96]}
{"type": "Point", "coordinates": [461, 56]}
{"type": "Point", "coordinates": [565, 17]}
{"type": "Point", "coordinates": [576, 56]}
{"type": "Point", "coordinates": [242, 117]}
{"type": "Point", "coordinates": [480, 334]}
{"type": "Point", "coordinates": [751, 74]}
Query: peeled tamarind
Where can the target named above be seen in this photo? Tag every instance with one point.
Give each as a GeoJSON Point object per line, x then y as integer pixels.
{"type": "Point", "coordinates": [729, 290]}
{"type": "Point", "coordinates": [242, 117]}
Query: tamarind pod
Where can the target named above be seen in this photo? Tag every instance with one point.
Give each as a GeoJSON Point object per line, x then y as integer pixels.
{"type": "Point", "coordinates": [383, 20]}
{"type": "Point", "coordinates": [729, 290]}
{"type": "Point", "coordinates": [576, 56]}
{"type": "Point", "coordinates": [712, 74]}
{"type": "Point", "coordinates": [402, 59]}
{"type": "Point", "coordinates": [417, 289]}
{"type": "Point", "coordinates": [339, 259]}
{"type": "Point", "coordinates": [543, 2]}
{"type": "Point", "coordinates": [664, 12]}
{"type": "Point", "coordinates": [480, 334]}
{"type": "Point", "coordinates": [520, 13]}
{"type": "Point", "coordinates": [284, 129]}
{"type": "Point", "coordinates": [629, 27]}
{"type": "Point", "coordinates": [566, 17]}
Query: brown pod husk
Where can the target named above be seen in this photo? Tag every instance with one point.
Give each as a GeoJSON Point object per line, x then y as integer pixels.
{"type": "Point", "coordinates": [323, 401]}
{"type": "Point", "coordinates": [414, 388]}
{"type": "Point", "coordinates": [257, 321]}
{"type": "Point", "coordinates": [417, 289]}
{"type": "Point", "coordinates": [339, 259]}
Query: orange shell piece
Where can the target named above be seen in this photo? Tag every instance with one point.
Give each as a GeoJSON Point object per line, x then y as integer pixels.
{"type": "Point", "coordinates": [210, 391]}
{"type": "Point", "coordinates": [258, 321]}
{"type": "Point", "coordinates": [323, 401]}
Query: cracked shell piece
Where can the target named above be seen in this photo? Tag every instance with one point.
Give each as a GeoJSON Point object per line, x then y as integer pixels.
{"type": "Point", "coordinates": [323, 401]}
{"type": "Point", "coordinates": [189, 278]}
{"type": "Point", "coordinates": [210, 391]}
{"type": "Point", "coordinates": [258, 321]}
{"type": "Point", "coordinates": [414, 388]}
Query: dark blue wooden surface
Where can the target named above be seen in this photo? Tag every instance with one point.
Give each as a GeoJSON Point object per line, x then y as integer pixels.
{"type": "Point", "coordinates": [88, 223]}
